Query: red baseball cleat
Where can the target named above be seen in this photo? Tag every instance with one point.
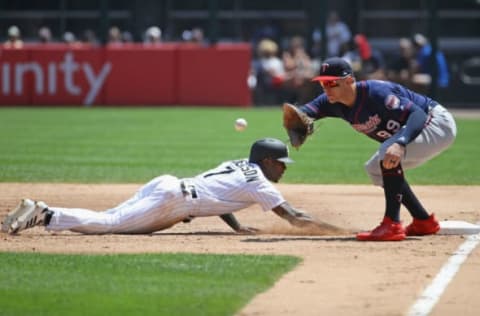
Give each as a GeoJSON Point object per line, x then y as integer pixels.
{"type": "Point", "coordinates": [388, 230]}
{"type": "Point", "coordinates": [420, 227]}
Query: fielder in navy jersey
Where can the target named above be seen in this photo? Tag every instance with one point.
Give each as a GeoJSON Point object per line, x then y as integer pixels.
{"type": "Point", "coordinates": [412, 128]}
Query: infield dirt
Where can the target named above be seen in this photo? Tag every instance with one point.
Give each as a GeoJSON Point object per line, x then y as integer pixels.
{"type": "Point", "coordinates": [338, 275]}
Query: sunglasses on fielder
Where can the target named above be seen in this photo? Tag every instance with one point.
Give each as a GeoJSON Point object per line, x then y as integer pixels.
{"type": "Point", "coordinates": [332, 83]}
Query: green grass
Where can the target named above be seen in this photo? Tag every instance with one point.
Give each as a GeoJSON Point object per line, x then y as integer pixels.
{"type": "Point", "coordinates": [134, 145]}
{"type": "Point", "coordinates": [148, 284]}
{"type": "Point", "coordinates": [108, 145]}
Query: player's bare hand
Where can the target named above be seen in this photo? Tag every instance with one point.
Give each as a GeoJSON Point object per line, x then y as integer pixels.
{"type": "Point", "coordinates": [393, 156]}
{"type": "Point", "coordinates": [245, 230]}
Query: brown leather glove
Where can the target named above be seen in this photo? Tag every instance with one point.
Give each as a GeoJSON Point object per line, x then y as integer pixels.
{"type": "Point", "coordinates": [298, 124]}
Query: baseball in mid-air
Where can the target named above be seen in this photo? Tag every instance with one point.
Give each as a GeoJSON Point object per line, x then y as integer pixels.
{"type": "Point", "coordinates": [240, 124]}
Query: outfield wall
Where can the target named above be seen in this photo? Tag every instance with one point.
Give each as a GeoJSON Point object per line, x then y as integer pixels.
{"type": "Point", "coordinates": [131, 74]}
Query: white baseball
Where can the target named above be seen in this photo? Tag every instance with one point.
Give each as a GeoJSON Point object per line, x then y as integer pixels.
{"type": "Point", "coordinates": [240, 124]}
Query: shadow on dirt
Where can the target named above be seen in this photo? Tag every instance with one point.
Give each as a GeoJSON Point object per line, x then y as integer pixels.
{"type": "Point", "coordinates": [318, 238]}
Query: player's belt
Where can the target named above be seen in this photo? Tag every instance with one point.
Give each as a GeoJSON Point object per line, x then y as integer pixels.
{"type": "Point", "coordinates": [429, 119]}
{"type": "Point", "coordinates": [431, 105]}
{"type": "Point", "coordinates": [188, 189]}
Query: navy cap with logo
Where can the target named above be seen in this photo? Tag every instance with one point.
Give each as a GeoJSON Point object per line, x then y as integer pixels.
{"type": "Point", "coordinates": [334, 68]}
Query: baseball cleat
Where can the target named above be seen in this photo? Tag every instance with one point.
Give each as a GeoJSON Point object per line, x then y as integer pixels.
{"type": "Point", "coordinates": [32, 217]}
{"type": "Point", "coordinates": [24, 206]}
{"type": "Point", "coordinates": [421, 227]}
{"type": "Point", "coordinates": [388, 230]}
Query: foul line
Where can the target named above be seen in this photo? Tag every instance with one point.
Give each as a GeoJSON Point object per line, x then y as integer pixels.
{"type": "Point", "coordinates": [430, 296]}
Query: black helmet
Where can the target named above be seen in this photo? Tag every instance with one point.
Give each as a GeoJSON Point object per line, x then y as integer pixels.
{"type": "Point", "coordinates": [269, 148]}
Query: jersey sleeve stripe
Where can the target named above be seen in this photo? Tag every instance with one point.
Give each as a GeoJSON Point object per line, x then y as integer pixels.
{"type": "Point", "coordinates": [312, 108]}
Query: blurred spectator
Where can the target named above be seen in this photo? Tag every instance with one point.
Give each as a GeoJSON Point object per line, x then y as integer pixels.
{"type": "Point", "coordinates": [267, 74]}
{"type": "Point", "coordinates": [70, 39]}
{"type": "Point", "coordinates": [44, 35]}
{"type": "Point", "coordinates": [187, 36]}
{"type": "Point", "coordinates": [195, 36]}
{"type": "Point", "coordinates": [299, 71]}
{"type": "Point", "coordinates": [89, 37]}
{"type": "Point", "coordinates": [198, 35]}
{"type": "Point", "coordinates": [114, 36]}
{"type": "Point", "coordinates": [14, 38]}
{"type": "Point", "coordinates": [402, 67]}
{"type": "Point", "coordinates": [367, 62]}
{"type": "Point", "coordinates": [338, 34]}
{"type": "Point", "coordinates": [153, 36]}
{"type": "Point", "coordinates": [423, 52]}
{"type": "Point", "coordinates": [127, 37]}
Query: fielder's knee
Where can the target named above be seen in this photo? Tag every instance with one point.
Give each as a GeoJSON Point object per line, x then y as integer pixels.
{"type": "Point", "coordinates": [374, 172]}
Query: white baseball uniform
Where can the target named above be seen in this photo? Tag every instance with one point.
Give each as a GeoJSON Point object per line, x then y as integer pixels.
{"type": "Point", "coordinates": [167, 200]}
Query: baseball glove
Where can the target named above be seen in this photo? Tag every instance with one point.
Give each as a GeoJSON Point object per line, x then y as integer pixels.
{"type": "Point", "coordinates": [298, 124]}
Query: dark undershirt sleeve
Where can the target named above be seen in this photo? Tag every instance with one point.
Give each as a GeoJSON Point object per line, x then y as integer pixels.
{"type": "Point", "coordinates": [413, 126]}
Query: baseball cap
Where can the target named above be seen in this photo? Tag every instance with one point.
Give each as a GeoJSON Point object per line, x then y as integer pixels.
{"type": "Point", "coordinates": [267, 46]}
{"type": "Point", "coordinates": [269, 148]}
{"type": "Point", "coordinates": [334, 68]}
{"type": "Point", "coordinates": [154, 32]}
{"type": "Point", "coordinates": [13, 31]}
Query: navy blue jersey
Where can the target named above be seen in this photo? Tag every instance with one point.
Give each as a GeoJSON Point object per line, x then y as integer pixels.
{"type": "Point", "coordinates": [381, 109]}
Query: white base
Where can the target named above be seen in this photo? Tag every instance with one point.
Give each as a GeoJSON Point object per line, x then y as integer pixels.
{"type": "Point", "coordinates": [458, 228]}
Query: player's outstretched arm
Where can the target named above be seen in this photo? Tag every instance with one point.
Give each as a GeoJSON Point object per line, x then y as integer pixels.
{"type": "Point", "coordinates": [235, 225]}
{"type": "Point", "coordinates": [301, 219]}
{"type": "Point", "coordinates": [293, 216]}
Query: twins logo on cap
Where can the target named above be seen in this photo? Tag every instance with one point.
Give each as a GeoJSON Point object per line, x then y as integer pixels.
{"type": "Point", "coordinates": [324, 67]}
{"type": "Point", "coordinates": [334, 68]}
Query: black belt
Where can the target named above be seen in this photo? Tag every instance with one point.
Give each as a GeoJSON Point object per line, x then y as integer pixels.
{"type": "Point", "coordinates": [431, 105]}
{"type": "Point", "coordinates": [188, 189]}
{"type": "Point", "coordinates": [429, 119]}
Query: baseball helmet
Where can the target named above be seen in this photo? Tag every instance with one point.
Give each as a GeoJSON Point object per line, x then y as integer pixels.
{"type": "Point", "coordinates": [269, 148]}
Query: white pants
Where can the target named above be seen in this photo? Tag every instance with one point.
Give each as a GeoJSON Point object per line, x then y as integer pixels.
{"type": "Point", "coordinates": [157, 205]}
{"type": "Point", "coordinates": [437, 136]}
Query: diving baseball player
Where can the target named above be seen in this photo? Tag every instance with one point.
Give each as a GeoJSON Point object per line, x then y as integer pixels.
{"type": "Point", "coordinates": [411, 128]}
{"type": "Point", "coordinates": [167, 200]}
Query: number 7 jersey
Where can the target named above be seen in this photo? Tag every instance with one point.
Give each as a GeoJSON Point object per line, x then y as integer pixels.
{"type": "Point", "coordinates": [232, 186]}
{"type": "Point", "coordinates": [380, 110]}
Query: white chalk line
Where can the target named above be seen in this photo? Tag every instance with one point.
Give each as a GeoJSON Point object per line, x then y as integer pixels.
{"type": "Point", "coordinates": [430, 296]}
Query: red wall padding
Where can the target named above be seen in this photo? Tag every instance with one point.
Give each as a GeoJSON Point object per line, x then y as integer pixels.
{"type": "Point", "coordinates": [215, 76]}
{"type": "Point", "coordinates": [168, 74]}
